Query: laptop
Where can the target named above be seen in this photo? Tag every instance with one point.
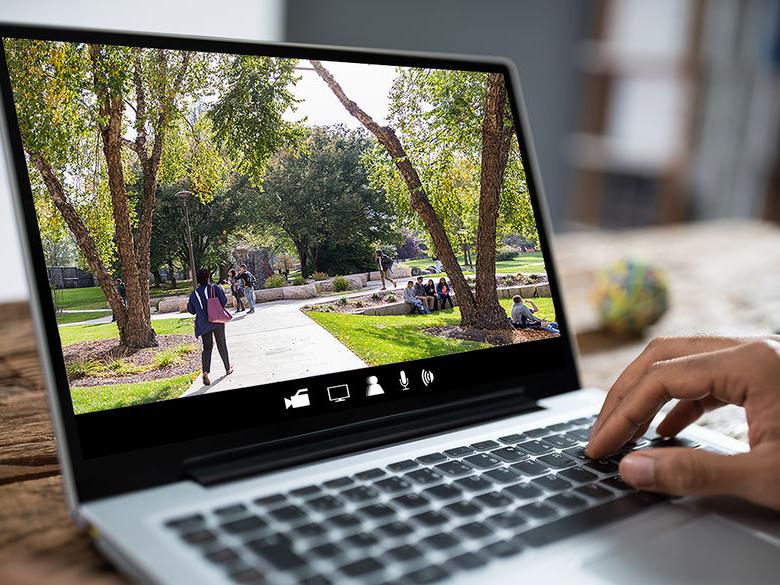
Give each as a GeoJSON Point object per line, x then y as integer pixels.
{"type": "Point", "coordinates": [400, 409]}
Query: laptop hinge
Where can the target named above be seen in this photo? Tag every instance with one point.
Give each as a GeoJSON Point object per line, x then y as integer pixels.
{"type": "Point", "coordinates": [253, 460]}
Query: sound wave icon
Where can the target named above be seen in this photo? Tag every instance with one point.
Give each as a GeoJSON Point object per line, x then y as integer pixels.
{"type": "Point", "coordinates": [427, 377]}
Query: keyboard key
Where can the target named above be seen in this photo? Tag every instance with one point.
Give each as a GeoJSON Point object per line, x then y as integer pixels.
{"type": "Point", "coordinates": [393, 485]}
{"type": "Point", "coordinates": [522, 491]}
{"type": "Point", "coordinates": [247, 576]}
{"type": "Point", "coordinates": [396, 529]}
{"type": "Point", "coordinates": [507, 520]}
{"type": "Point", "coordinates": [222, 556]}
{"type": "Point", "coordinates": [376, 511]}
{"type": "Point", "coordinates": [503, 549]}
{"type": "Point", "coordinates": [344, 521]}
{"type": "Point", "coordinates": [454, 468]}
{"type": "Point", "coordinates": [558, 427]}
{"type": "Point", "coordinates": [316, 580]}
{"type": "Point", "coordinates": [329, 550]}
{"type": "Point", "coordinates": [587, 519]}
{"type": "Point", "coordinates": [400, 466]}
{"type": "Point", "coordinates": [535, 447]}
{"type": "Point", "coordinates": [502, 475]}
{"type": "Point", "coordinates": [556, 460]}
{"type": "Point", "coordinates": [443, 492]}
{"type": "Point", "coordinates": [463, 509]}
{"type": "Point", "coordinates": [307, 491]}
{"type": "Point", "coordinates": [432, 458]}
{"type": "Point", "coordinates": [309, 530]}
{"type": "Point", "coordinates": [411, 501]}
{"type": "Point", "coordinates": [270, 501]}
{"type": "Point", "coordinates": [485, 445]}
{"type": "Point", "coordinates": [432, 574]}
{"type": "Point", "coordinates": [493, 500]}
{"type": "Point", "coordinates": [617, 483]}
{"type": "Point", "coordinates": [559, 441]}
{"type": "Point", "coordinates": [186, 522]}
{"type": "Point", "coordinates": [459, 452]}
{"type": "Point", "coordinates": [538, 511]}
{"type": "Point", "coordinates": [582, 435]}
{"type": "Point", "coordinates": [244, 525]}
{"type": "Point", "coordinates": [360, 494]}
{"type": "Point", "coordinates": [288, 514]}
{"type": "Point", "coordinates": [602, 465]}
{"type": "Point", "coordinates": [232, 510]}
{"type": "Point", "coordinates": [404, 553]}
{"type": "Point", "coordinates": [578, 475]}
{"type": "Point", "coordinates": [660, 442]}
{"type": "Point", "coordinates": [370, 474]}
{"type": "Point", "coordinates": [577, 453]}
{"type": "Point", "coordinates": [277, 550]}
{"type": "Point", "coordinates": [530, 468]}
{"type": "Point", "coordinates": [509, 454]}
{"type": "Point", "coordinates": [482, 461]}
{"type": "Point", "coordinates": [583, 420]}
{"type": "Point", "coordinates": [474, 530]}
{"type": "Point", "coordinates": [473, 483]}
{"type": "Point", "coordinates": [325, 504]}
{"type": "Point", "coordinates": [199, 537]}
{"type": "Point", "coordinates": [430, 519]}
{"type": "Point", "coordinates": [339, 482]}
{"type": "Point", "coordinates": [536, 433]}
{"type": "Point", "coordinates": [513, 439]}
{"type": "Point", "coordinates": [362, 567]}
{"type": "Point", "coordinates": [440, 541]}
{"type": "Point", "coordinates": [361, 540]}
{"type": "Point", "coordinates": [467, 561]}
{"type": "Point", "coordinates": [567, 501]}
{"type": "Point", "coordinates": [423, 476]}
{"type": "Point", "coordinates": [594, 492]}
{"type": "Point", "coordinates": [551, 483]}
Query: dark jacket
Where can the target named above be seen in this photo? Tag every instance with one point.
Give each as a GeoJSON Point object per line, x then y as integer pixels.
{"type": "Point", "coordinates": [198, 306]}
{"type": "Point", "coordinates": [419, 289]}
{"type": "Point", "coordinates": [430, 290]}
{"type": "Point", "coordinates": [440, 289]}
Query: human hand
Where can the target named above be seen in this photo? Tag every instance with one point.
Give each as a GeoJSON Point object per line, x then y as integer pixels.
{"type": "Point", "coordinates": [704, 373]}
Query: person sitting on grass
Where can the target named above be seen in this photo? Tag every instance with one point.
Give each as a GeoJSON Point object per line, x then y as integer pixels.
{"type": "Point", "coordinates": [205, 329]}
{"type": "Point", "coordinates": [411, 299]}
{"type": "Point", "coordinates": [443, 292]}
{"type": "Point", "coordinates": [430, 290]}
{"type": "Point", "coordinates": [421, 293]}
{"type": "Point", "coordinates": [523, 316]}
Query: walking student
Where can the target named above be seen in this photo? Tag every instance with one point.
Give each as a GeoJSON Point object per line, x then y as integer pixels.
{"type": "Point", "coordinates": [248, 285]}
{"type": "Point", "coordinates": [411, 299]}
{"type": "Point", "coordinates": [205, 329]}
{"type": "Point", "coordinates": [237, 290]}
{"type": "Point", "coordinates": [443, 292]}
{"type": "Point", "coordinates": [385, 263]}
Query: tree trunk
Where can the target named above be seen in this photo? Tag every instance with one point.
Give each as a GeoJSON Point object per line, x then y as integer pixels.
{"type": "Point", "coordinates": [418, 198]}
{"type": "Point", "coordinates": [495, 151]}
{"type": "Point", "coordinates": [171, 273]}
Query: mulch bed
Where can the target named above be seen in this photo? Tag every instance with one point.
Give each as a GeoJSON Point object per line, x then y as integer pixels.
{"type": "Point", "coordinates": [359, 303]}
{"type": "Point", "coordinates": [504, 337]}
{"type": "Point", "coordinates": [108, 350]}
{"type": "Point", "coordinates": [521, 279]}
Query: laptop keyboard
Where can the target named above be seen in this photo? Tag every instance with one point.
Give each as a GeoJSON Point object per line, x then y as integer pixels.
{"type": "Point", "coordinates": [422, 520]}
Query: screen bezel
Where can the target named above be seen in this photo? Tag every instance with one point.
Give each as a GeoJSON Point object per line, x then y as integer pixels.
{"type": "Point", "coordinates": [112, 471]}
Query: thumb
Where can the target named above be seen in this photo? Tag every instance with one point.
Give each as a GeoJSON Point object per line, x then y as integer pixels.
{"type": "Point", "coordinates": [687, 472]}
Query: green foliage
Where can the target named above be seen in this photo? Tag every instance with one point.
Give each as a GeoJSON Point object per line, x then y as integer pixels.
{"type": "Point", "coordinates": [342, 301]}
{"type": "Point", "coordinates": [340, 284]}
{"type": "Point", "coordinates": [94, 398]}
{"type": "Point", "coordinates": [319, 276]}
{"type": "Point", "coordinates": [71, 334]}
{"type": "Point", "coordinates": [82, 368]}
{"type": "Point", "coordinates": [506, 253]}
{"type": "Point", "coordinates": [275, 281]}
{"type": "Point", "coordinates": [298, 281]}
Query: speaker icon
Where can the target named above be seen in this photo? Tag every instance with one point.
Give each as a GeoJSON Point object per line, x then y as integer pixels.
{"type": "Point", "coordinates": [427, 377]}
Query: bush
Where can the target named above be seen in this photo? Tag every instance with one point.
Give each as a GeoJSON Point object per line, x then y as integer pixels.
{"type": "Point", "coordinates": [318, 276]}
{"type": "Point", "coordinates": [298, 281]}
{"type": "Point", "coordinates": [358, 304]}
{"type": "Point", "coordinates": [390, 298]}
{"type": "Point", "coordinates": [342, 301]}
{"type": "Point", "coordinates": [376, 297]}
{"type": "Point", "coordinates": [82, 368]}
{"type": "Point", "coordinates": [340, 284]}
{"type": "Point", "coordinates": [275, 281]}
{"type": "Point", "coordinates": [505, 253]}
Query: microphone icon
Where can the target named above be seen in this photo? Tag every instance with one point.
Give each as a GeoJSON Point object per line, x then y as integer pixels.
{"type": "Point", "coordinates": [404, 380]}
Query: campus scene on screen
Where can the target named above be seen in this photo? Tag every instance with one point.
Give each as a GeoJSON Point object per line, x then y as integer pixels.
{"type": "Point", "coordinates": [346, 215]}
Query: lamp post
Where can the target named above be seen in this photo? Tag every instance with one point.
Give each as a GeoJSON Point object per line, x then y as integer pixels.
{"type": "Point", "coordinates": [183, 197]}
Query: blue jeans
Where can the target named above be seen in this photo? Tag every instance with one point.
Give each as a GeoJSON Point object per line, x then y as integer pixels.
{"type": "Point", "coordinates": [419, 305]}
{"type": "Point", "coordinates": [249, 292]}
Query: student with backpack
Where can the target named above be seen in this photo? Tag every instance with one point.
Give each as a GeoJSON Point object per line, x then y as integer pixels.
{"type": "Point", "coordinates": [247, 280]}
{"type": "Point", "coordinates": [385, 263]}
{"type": "Point", "coordinates": [205, 302]}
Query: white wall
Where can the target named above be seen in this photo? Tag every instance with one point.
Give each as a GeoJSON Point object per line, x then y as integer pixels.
{"type": "Point", "coordinates": [244, 19]}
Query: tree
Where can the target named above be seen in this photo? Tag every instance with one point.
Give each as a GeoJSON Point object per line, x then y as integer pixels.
{"type": "Point", "coordinates": [66, 93]}
{"type": "Point", "coordinates": [471, 107]}
{"type": "Point", "coordinates": [320, 197]}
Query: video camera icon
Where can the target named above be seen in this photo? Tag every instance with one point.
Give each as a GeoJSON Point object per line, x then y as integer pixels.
{"type": "Point", "coordinates": [298, 400]}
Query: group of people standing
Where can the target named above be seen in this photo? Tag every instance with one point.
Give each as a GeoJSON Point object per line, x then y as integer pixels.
{"type": "Point", "coordinates": [242, 285]}
{"type": "Point", "coordinates": [425, 297]}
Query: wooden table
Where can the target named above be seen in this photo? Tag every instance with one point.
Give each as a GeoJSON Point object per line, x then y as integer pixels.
{"type": "Point", "coordinates": [724, 279]}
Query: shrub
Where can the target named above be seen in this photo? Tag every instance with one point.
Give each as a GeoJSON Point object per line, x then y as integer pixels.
{"type": "Point", "coordinates": [275, 281]}
{"type": "Point", "coordinates": [82, 368]}
{"type": "Point", "coordinates": [318, 276]}
{"type": "Point", "coordinates": [340, 284]}
{"type": "Point", "coordinates": [342, 301]}
{"type": "Point", "coordinates": [358, 304]}
{"type": "Point", "coordinates": [165, 358]}
{"type": "Point", "coordinates": [390, 298]}
{"type": "Point", "coordinates": [376, 297]}
{"type": "Point", "coordinates": [505, 253]}
{"type": "Point", "coordinates": [298, 281]}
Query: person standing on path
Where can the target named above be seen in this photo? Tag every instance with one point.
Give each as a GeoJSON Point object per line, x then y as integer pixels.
{"type": "Point", "coordinates": [248, 285]}
{"type": "Point", "coordinates": [236, 289]}
{"type": "Point", "coordinates": [385, 263]}
{"type": "Point", "coordinates": [205, 329]}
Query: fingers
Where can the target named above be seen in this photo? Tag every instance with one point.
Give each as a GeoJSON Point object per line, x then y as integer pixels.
{"type": "Point", "coordinates": [686, 413]}
{"type": "Point", "coordinates": [691, 472]}
{"type": "Point", "coordinates": [721, 374]}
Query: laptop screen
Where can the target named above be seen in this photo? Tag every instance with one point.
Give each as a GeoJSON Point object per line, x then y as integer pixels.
{"type": "Point", "coordinates": [318, 235]}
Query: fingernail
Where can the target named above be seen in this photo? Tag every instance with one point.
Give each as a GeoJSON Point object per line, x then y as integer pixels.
{"type": "Point", "coordinates": [638, 470]}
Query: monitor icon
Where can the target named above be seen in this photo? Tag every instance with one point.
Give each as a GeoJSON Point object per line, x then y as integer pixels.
{"type": "Point", "coordinates": [338, 393]}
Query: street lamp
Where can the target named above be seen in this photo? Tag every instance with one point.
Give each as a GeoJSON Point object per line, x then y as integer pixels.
{"type": "Point", "coordinates": [183, 197]}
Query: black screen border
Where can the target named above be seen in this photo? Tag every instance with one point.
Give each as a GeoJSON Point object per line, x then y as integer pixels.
{"type": "Point", "coordinates": [99, 467]}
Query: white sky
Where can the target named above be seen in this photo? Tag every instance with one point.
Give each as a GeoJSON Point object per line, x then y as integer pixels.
{"type": "Point", "coordinates": [367, 85]}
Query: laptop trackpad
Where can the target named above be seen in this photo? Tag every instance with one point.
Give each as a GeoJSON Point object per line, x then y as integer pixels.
{"type": "Point", "coordinates": [707, 550]}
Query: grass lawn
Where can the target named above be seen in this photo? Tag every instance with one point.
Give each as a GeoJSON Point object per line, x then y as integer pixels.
{"type": "Point", "coordinates": [92, 297]}
{"type": "Point", "coordinates": [386, 340]}
{"type": "Point", "coordinates": [77, 333]}
{"type": "Point", "coordinates": [65, 318]}
{"type": "Point", "coordinates": [525, 262]}
{"type": "Point", "coordinates": [92, 398]}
